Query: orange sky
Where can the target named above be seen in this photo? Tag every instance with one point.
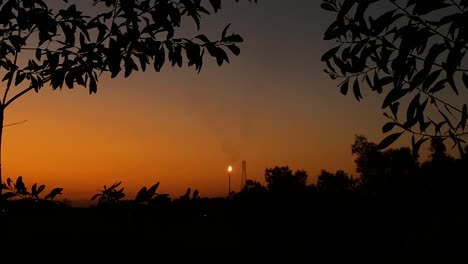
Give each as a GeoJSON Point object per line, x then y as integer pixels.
{"type": "Point", "coordinates": [273, 105]}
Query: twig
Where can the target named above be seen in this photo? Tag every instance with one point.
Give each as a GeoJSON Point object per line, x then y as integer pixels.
{"type": "Point", "coordinates": [14, 124]}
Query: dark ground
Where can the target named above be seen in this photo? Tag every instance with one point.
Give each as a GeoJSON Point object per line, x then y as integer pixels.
{"type": "Point", "coordinates": [224, 231]}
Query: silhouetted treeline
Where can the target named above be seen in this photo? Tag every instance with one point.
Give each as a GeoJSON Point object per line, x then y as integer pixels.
{"type": "Point", "coordinates": [396, 206]}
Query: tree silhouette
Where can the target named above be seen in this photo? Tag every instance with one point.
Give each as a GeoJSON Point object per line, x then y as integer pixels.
{"type": "Point", "coordinates": [438, 150]}
{"type": "Point", "coordinates": [336, 183]}
{"type": "Point", "coordinates": [444, 175]}
{"type": "Point", "coordinates": [42, 46]}
{"type": "Point", "coordinates": [393, 170]}
{"type": "Point", "coordinates": [252, 190]}
{"type": "Point", "coordinates": [369, 162]}
{"type": "Point", "coordinates": [253, 186]}
{"type": "Point", "coordinates": [414, 51]}
{"type": "Point", "coordinates": [281, 180]}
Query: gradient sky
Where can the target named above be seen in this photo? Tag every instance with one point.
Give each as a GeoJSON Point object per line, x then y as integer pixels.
{"type": "Point", "coordinates": [273, 105]}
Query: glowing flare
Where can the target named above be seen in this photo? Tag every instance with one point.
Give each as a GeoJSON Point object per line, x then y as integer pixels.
{"type": "Point", "coordinates": [230, 169]}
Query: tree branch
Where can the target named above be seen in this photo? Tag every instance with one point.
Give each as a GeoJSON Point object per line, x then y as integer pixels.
{"type": "Point", "coordinates": [14, 98]}
{"type": "Point", "coordinates": [421, 22]}
{"type": "Point", "coordinates": [421, 133]}
{"type": "Point", "coordinates": [457, 5]}
{"type": "Point", "coordinates": [10, 81]}
{"type": "Point", "coordinates": [17, 96]}
{"type": "Point", "coordinates": [17, 123]}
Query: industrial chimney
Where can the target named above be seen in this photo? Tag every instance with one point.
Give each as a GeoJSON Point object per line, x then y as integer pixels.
{"type": "Point", "coordinates": [244, 174]}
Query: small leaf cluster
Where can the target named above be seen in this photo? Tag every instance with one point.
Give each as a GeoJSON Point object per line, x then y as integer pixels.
{"type": "Point", "coordinates": [149, 196]}
{"type": "Point", "coordinates": [18, 190]}
{"type": "Point", "coordinates": [414, 53]}
{"type": "Point", "coordinates": [109, 195]}
{"type": "Point", "coordinates": [189, 196]}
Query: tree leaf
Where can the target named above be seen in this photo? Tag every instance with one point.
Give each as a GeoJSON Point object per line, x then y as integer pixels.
{"type": "Point", "coordinates": [92, 84]}
{"type": "Point", "coordinates": [434, 52]}
{"type": "Point", "coordinates": [223, 35]}
{"type": "Point", "coordinates": [40, 189]}
{"type": "Point", "coordinates": [386, 80]}
{"type": "Point", "coordinates": [141, 195]}
{"type": "Point", "coordinates": [394, 108]}
{"type": "Point", "coordinates": [464, 118]}
{"type": "Point", "coordinates": [8, 195]}
{"type": "Point", "coordinates": [333, 31]}
{"type": "Point", "coordinates": [382, 22]}
{"type": "Point", "coordinates": [393, 96]}
{"type": "Point", "coordinates": [418, 78]}
{"type": "Point", "coordinates": [19, 78]}
{"type": "Point", "coordinates": [69, 80]}
{"type": "Point", "coordinates": [19, 185]}
{"type": "Point", "coordinates": [461, 150]}
{"type": "Point", "coordinates": [345, 8]}
{"type": "Point", "coordinates": [388, 140]}
{"type": "Point", "coordinates": [341, 65]}
{"type": "Point", "coordinates": [152, 189]}
{"type": "Point", "coordinates": [357, 90]}
{"type": "Point", "coordinates": [8, 76]}
{"type": "Point", "coordinates": [234, 38]}
{"type": "Point", "coordinates": [430, 79]}
{"type": "Point", "coordinates": [216, 4]}
{"type": "Point", "coordinates": [38, 54]}
{"type": "Point", "coordinates": [344, 87]}
{"type": "Point", "coordinates": [417, 145]}
{"type": "Point", "coordinates": [159, 59]}
{"type": "Point", "coordinates": [411, 113]}
{"type": "Point", "coordinates": [446, 119]}
{"type": "Point", "coordinates": [439, 86]}
{"type": "Point", "coordinates": [328, 7]}
{"type": "Point", "coordinates": [203, 38]}
{"type": "Point", "coordinates": [34, 189]}
{"type": "Point", "coordinates": [465, 80]}
{"type": "Point", "coordinates": [329, 54]}
{"type": "Point", "coordinates": [425, 7]}
{"type": "Point", "coordinates": [234, 49]}
{"type": "Point", "coordinates": [388, 127]}
{"type": "Point", "coordinates": [54, 193]}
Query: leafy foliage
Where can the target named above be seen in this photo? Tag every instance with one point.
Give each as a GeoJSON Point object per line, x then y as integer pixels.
{"type": "Point", "coordinates": [71, 48]}
{"type": "Point", "coordinates": [109, 196]}
{"type": "Point", "coordinates": [112, 196]}
{"type": "Point", "coordinates": [413, 52]}
{"type": "Point", "coordinates": [149, 196]}
{"type": "Point", "coordinates": [186, 196]}
{"type": "Point", "coordinates": [18, 190]}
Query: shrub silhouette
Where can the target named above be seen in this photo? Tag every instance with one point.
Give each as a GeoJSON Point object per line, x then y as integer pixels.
{"type": "Point", "coordinates": [19, 190]}
{"type": "Point", "coordinates": [109, 196]}
{"type": "Point", "coordinates": [186, 196]}
{"type": "Point", "coordinates": [150, 197]}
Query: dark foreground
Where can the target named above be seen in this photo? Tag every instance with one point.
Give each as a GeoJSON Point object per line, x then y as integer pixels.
{"type": "Point", "coordinates": [228, 231]}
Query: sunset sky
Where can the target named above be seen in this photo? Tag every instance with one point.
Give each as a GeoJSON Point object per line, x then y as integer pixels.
{"type": "Point", "coordinates": [273, 105]}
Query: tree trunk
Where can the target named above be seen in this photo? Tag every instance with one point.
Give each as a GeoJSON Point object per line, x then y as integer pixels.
{"type": "Point", "coordinates": [1, 179]}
